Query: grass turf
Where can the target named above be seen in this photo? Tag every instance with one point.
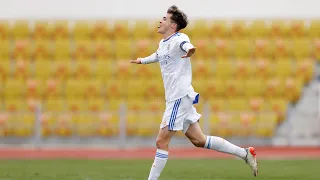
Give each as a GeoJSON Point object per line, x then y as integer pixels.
{"type": "Point", "coordinates": [139, 169]}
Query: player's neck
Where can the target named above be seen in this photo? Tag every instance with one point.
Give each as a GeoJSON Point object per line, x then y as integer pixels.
{"type": "Point", "coordinates": [168, 35]}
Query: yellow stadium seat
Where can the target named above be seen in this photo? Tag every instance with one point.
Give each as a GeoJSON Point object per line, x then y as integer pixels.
{"type": "Point", "coordinates": [261, 48]}
{"type": "Point", "coordinates": [60, 30]}
{"type": "Point", "coordinates": [114, 104]}
{"type": "Point", "coordinates": [74, 88]}
{"type": "Point", "coordinates": [247, 121]}
{"type": "Point", "coordinates": [244, 69]}
{"type": "Point", "coordinates": [297, 28]}
{"type": "Point", "coordinates": [218, 104]}
{"type": "Point", "coordinates": [257, 104]}
{"type": "Point", "coordinates": [274, 88]}
{"type": "Point", "coordinates": [85, 125]}
{"type": "Point", "coordinates": [201, 29]}
{"type": "Point", "coordinates": [5, 50]}
{"type": "Point", "coordinates": [263, 68]}
{"type": "Point", "coordinates": [204, 49]}
{"type": "Point", "coordinates": [219, 29]}
{"type": "Point", "coordinates": [223, 69]}
{"type": "Point", "coordinates": [278, 29]}
{"type": "Point", "coordinates": [83, 69]}
{"type": "Point", "coordinates": [78, 105]}
{"type": "Point", "coordinates": [41, 50]}
{"type": "Point", "coordinates": [4, 128]}
{"type": "Point", "coordinates": [214, 88]}
{"type": "Point", "coordinates": [123, 50]}
{"type": "Point", "coordinates": [141, 30]}
{"type": "Point", "coordinates": [266, 124]}
{"type": "Point", "coordinates": [108, 124]}
{"type": "Point", "coordinates": [253, 87]}
{"type": "Point", "coordinates": [144, 48]}
{"type": "Point", "coordinates": [305, 70]}
{"type": "Point", "coordinates": [234, 88]}
{"type": "Point", "coordinates": [314, 29]}
{"type": "Point", "coordinates": [154, 105]}
{"type": "Point", "coordinates": [293, 88]}
{"type": "Point", "coordinates": [48, 121]}
{"type": "Point", "coordinates": [145, 72]}
{"type": "Point", "coordinates": [82, 30]}
{"type": "Point", "coordinates": [96, 105]}
{"type": "Point", "coordinates": [221, 48]}
{"type": "Point", "coordinates": [301, 48]}
{"type": "Point", "coordinates": [100, 30]}
{"type": "Point", "coordinates": [316, 49]}
{"type": "Point", "coordinates": [21, 69]}
{"type": "Point", "coordinates": [20, 29]}
{"type": "Point", "coordinates": [5, 69]}
{"type": "Point", "coordinates": [53, 88]}
{"type": "Point", "coordinates": [104, 50]}
{"type": "Point", "coordinates": [149, 124]}
{"type": "Point", "coordinates": [284, 68]}
{"type": "Point", "coordinates": [103, 69]}
{"type": "Point", "coordinates": [64, 125]}
{"type": "Point", "coordinates": [242, 48]}
{"type": "Point", "coordinates": [82, 50]}
{"type": "Point", "coordinates": [93, 88]}
{"type": "Point", "coordinates": [115, 88]}
{"type": "Point", "coordinates": [238, 29]}
{"type": "Point", "coordinates": [258, 29]}
{"type": "Point", "coordinates": [14, 88]}
{"type": "Point", "coordinates": [22, 124]}
{"type": "Point", "coordinates": [136, 88]}
{"type": "Point", "coordinates": [21, 50]}
{"type": "Point", "coordinates": [35, 88]}
{"type": "Point", "coordinates": [54, 105]}
{"type": "Point", "coordinates": [222, 124]}
{"type": "Point", "coordinates": [201, 69]}
{"type": "Point", "coordinates": [42, 31]}
{"type": "Point", "coordinates": [61, 50]}
{"type": "Point", "coordinates": [121, 29]}
{"type": "Point", "coordinates": [279, 106]}
{"type": "Point", "coordinates": [122, 69]}
{"type": "Point", "coordinates": [153, 89]}
{"type": "Point", "coordinates": [4, 30]}
{"type": "Point", "coordinates": [62, 69]}
{"type": "Point", "coordinates": [14, 105]}
{"type": "Point", "coordinates": [43, 69]}
{"type": "Point", "coordinates": [238, 104]}
{"type": "Point", "coordinates": [135, 104]}
{"type": "Point", "coordinates": [281, 48]}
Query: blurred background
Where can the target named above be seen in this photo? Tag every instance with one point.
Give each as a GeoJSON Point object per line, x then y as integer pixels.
{"type": "Point", "coordinates": [65, 77]}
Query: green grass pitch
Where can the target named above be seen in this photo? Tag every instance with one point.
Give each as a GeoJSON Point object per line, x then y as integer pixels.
{"type": "Point", "coordinates": [176, 169]}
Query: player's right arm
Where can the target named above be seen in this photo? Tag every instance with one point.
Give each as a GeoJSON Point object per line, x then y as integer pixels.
{"type": "Point", "coordinates": [147, 60]}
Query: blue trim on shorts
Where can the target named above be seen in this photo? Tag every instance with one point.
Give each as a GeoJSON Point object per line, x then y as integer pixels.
{"type": "Point", "coordinates": [174, 114]}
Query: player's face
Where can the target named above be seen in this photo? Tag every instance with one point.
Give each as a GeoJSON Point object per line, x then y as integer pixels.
{"type": "Point", "coordinates": [165, 25]}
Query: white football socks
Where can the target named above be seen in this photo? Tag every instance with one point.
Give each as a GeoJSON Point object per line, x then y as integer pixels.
{"type": "Point", "coordinates": [222, 145]}
{"type": "Point", "coordinates": [160, 161]}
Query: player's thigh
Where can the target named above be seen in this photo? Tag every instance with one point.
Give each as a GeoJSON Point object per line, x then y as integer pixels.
{"type": "Point", "coordinates": [165, 135]}
{"type": "Point", "coordinates": [194, 133]}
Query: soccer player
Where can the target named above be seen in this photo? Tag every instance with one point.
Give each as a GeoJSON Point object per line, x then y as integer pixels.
{"type": "Point", "coordinates": [173, 55]}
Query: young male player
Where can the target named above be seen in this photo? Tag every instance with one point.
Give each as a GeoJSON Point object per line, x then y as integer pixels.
{"type": "Point", "coordinates": [173, 55]}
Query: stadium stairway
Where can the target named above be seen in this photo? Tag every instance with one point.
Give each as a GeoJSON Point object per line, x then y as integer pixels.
{"type": "Point", "coordinates": [302, 127]}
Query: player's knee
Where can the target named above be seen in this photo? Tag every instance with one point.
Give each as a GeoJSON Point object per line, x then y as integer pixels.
{"type": "Point", "coordinates": [198, 143]}
{"type": "Point", "coordinates": [161, 143]}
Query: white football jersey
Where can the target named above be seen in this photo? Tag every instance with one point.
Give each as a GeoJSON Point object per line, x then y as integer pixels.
{"type": "Point", "coordinates": [176, 71]}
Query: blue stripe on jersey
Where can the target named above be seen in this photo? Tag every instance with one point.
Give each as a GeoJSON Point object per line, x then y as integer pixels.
{"type": "Point", "coordinates": [160, 155]}
{"type": "Point", "coordinates": [174, 114]}
{"type": "Point", "coordinates": [175, 34]}
{"type": "Point", "coordinates": [181, 45]}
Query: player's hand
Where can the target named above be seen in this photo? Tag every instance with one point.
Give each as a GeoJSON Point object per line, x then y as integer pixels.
{"type": "Point", "coordinates": [190, 53]}
{"type": "Point", "coordinates": [138, 61]}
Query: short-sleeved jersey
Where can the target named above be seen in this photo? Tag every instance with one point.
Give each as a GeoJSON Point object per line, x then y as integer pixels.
{"type": "Point", "coordinates": [176, 71]}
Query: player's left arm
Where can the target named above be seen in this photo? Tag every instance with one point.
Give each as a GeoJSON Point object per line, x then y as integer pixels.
{"type": "Point", "coordinates": [187, 47]}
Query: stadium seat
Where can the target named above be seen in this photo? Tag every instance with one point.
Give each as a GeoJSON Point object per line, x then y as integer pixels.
{"type": "Point", "coordinates": [305, 69]}
{"type": "Point", "coordinates": [15, 104]}
{"type": "Point", "coordinates": [35, 88]}
{"type": "Point", "coordinates": [204, 49]}
{"type": "Point", "coordinates": [247, 121]}
{"type": "Point", "coordinates": [284, 68]}
{"type": "Point", "coordinates": [4, 124]}
{"type": "Point", "coordinates": [115, 89]}
{"type": "Point", "coordinates": [121, 29]}
{"type": "Point", "coordinates": [54, 104]}
{"type": "Point", "coordinates": [201, 29]}
{"type": "Point", "coordinates": [279, 106]}
{"type": "Point", "coordinates": [14, 88]}
{"type": "Point", "coordinates": [53, 88]}
{"type": "Point", "coordinates": [266, 124]}
{"type": "Point", "coordinates": [76, 106]}
{"type": "Point", "coordinates": [64, 125]}
{"type": "Point", "coordinates": [84, 125]}
{"type": "Point", "coordinates": [296, 28]}
{"type": "Point", "coordinates": [4, 30]}
{"type": "Point", "coordinates": [274, 88]}
{"type": "Point", "coordinates": [215, 87]}
{"type": "Point", "coordinates": [242, 48]}
{"type": "Point", "coordinates": [141, 29]}
{"type": "Point", "coordinates": [253, 87]}
{"type": "Point", "coordinates": [20, 30]}
{"type": "Point", "coordinates": [102, 70]}
{"type": "Point", "coordinates": [314, 29]}
{"type": "Point", "coordinates": [123, 49]}
{"type": "Point", "coordinates": [221, 48]}
{"type": "Point", "coordinates": [301, 48]}
{"type": "Point", "coordinates": [238, 29]}
{"type": "Point", "coordinates": [60, 30]}
{"type": "Point", "coordinates": [108, 124]}
{"type": "Point", "coordinates": [281, 48]}
{"type": "Point", "coordinates": [122, 69]}
{"type": "Point", "coordinates": [21, 69]}
{"type": "Point", "coordinates": [21, 50]}
{"type": "Point", "coordinates": [82, 50]}
{"type": "Point", "coordinates": [222, 124]}
{"type": "Point", "coordinates": [42, 31]}
{"type": "Point", "coordinates": [278, 29]}
{"type": "Point", "coordinates": [82, 30]}
{"type": "Point", "coordinates": [218, 104]}
{"type": "Point", "coordinates": [61, 50]}
{"type": "Point", "coordinates": [238, 104]}
{"type": "Point", "coordinates": [5, 70]}
{"type": "Point", "coordinates": [143, 48]}
{"type": "Point", "coordinates": [5, 50]}
{"type": "Point", "coordinates": [257, 104]}
{"type": "Point", "coordinates": [243, 69]}
{"type": "Point", "coordinates": [43, 69]}
{"type": "Point", "coordinates": [41, 50]}
{"type": "Point", "coordinates": [234, 88]}
{"type": "Point", "coordinates": [219, 29]}
{"type": "Point", "coordinates": [100, 30]}
{"type": "Point", "coordinates": [103, 50]}
{"type": "Point", "coordinates": [62, 69]}
{"type": "Point", "coordinates": [82, 70]}
{"type": "Point", "coordinates": [258, 29]}
{"type": "Point", "coordinates": [263, 68]}
{"type": "Point", "coordinates": [96, 105]}
{"type": "Point", "coordinates": [293, 88]}
{"type": "Point", "coordinates": [201, 69]}
{"type": "Point", "coordinates": [316, 49]}
{"type": "Point", "coordinates": [223, 69]}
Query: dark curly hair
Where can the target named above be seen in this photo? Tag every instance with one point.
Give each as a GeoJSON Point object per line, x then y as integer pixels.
{"type": "Point", "coordinates": [178, 17]}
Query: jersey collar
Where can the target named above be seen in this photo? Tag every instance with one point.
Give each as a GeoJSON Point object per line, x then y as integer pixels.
{"type": "Point", "coordinates": [175, 34]}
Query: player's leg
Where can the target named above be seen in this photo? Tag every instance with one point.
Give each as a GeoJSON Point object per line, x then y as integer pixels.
{"type": "Point", "coordinates": [196, 136]}
{"type": "Point", "coordinates": [171, 122]}
{"type": "Point", "coordinates": [161, 157]}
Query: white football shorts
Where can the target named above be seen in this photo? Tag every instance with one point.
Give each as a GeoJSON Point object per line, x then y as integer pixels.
{"type": "Point", "coordinates": [179, 114]}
